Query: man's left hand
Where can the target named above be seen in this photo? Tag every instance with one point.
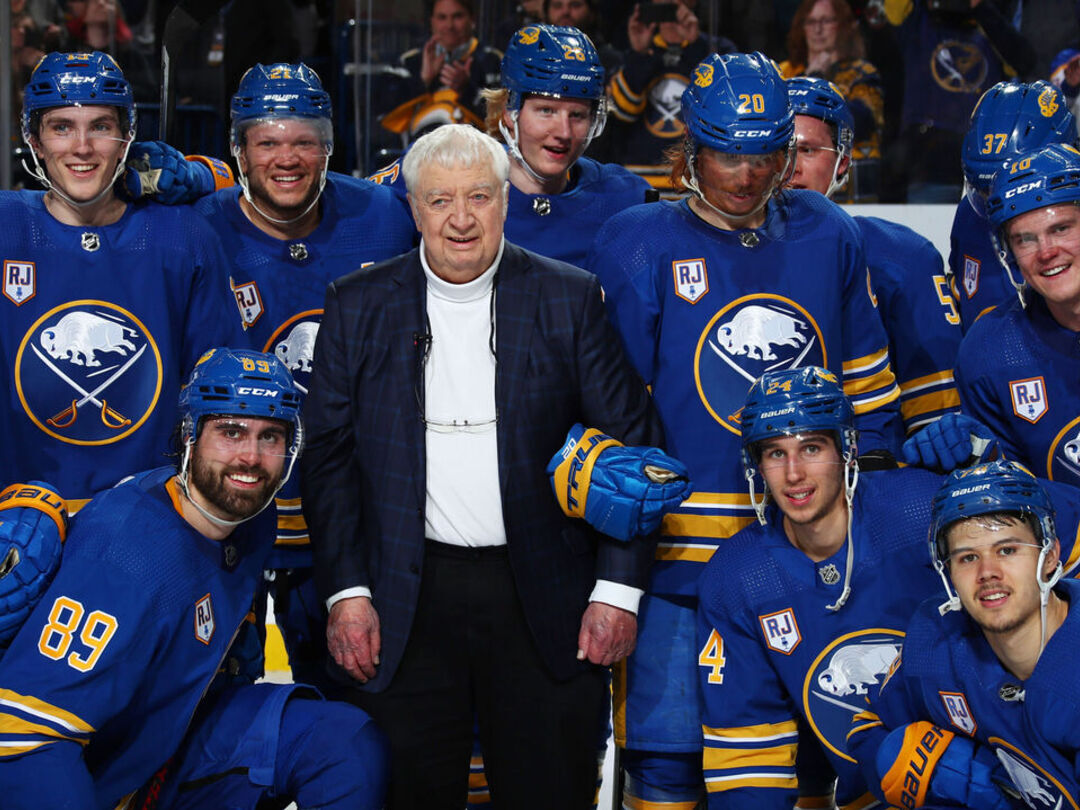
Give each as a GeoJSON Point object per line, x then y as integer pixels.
{"type": "Point", "coordinates": [608, 634]}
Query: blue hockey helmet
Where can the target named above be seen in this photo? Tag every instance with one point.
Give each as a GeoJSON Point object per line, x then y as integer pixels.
{"type": "Point", "coordinates": [1000, 486]}
{"type": "Point", "coordinates": [822, 99]}
{"type": "Point", "coordinates": [1012, 119]}
{"type": "Point", "coordinates": [78, 80]}
{"type": "Point", "coordinates": [738, 102]}
{"type": "Point", "coordinates": [1050, 176]}
{"type": "Point", "coordinates": [551, 60]}
{"type": "Point", "coordinates": [792, 402]}
{"type": "Point", "coordinates": [280, 90]}
{"type": "Point", "coordinates": [239, 382]}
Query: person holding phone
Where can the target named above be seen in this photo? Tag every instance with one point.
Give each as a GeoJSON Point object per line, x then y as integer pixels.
{"type": "Point", "coordinates": [665, 44]}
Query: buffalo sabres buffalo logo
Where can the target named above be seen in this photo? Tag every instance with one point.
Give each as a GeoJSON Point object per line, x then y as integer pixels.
{"type": "Point", "coordinates": [1048, 102]}
{"type": "Point", "coordinates": [88, 373]}
{"type": "Point", "coordinates": [665, 103]}
{"type": "Point", "coordinates": [529, 36]}
{"type": "Point", "coordinates": [958, 67]}
{"type": "Point", "coordinates": [745, 339]}
{"type": "Point", "coordinates": [294, 345]}
{"type": "Point", "coordinates": [840, 678]}
{"type": "Point", "coordinates": [703, 75]}
{"type": "Point", "coordinates": [1063, 461]}
{"type": "Point", "coordinates": [1037, 787]}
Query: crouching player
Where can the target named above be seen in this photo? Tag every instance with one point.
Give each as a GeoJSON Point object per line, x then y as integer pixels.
{"type": "Point", "coordinates": [125, 679]}
{"type": "Point", "coordinates": [982, 704]}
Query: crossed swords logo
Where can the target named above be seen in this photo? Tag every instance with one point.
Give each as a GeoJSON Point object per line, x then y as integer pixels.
{"type": "Point", "coordinates": [110, 417]}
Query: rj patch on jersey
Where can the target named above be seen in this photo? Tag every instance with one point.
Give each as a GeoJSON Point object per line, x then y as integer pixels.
{"type": "Point", "coordinates": [971, 276]}
{"type": "Point", "coordinates": [248, 301]}
{"type": "Point", "coordinates": [839, 679]}
{"type": "Point", "coordinates": [781, 631]}
{"type": "Point", "coordinates": [691, 280]}
{"type": "Point", "coordinates": [749, 336]}
{"type": "Point", "coordinates": [204, 620]}
{"type": "Point", "coordinates": [956, 706]}
{"type": "Point", "coordinates": [20, 281]}
{"type": "Point", "coordinates": [88, 373]}
{"type": "Point", "coordinates": [1028, 398]}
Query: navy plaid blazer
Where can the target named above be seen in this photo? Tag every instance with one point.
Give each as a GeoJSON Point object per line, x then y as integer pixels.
{"type": "Point", "coordinates": [363, 469]}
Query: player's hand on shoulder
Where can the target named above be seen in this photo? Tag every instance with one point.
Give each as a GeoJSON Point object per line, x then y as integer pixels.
{"type": "Point", "coordinates": [954, 440]}
{"type": "Point", "coordinates": [157, 170]}
{"type": "Point", "coordinates": [621, 491]}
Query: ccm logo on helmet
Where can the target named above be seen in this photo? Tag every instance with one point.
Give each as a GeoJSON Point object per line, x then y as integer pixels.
{"type": "Point", "coordinates": [1023, 188]}
{"type": "Point", "coordinates": [753, 133]}
{"type": "Point", "coordinates": [256, 392]}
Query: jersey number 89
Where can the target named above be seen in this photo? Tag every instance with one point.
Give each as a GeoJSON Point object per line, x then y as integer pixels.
{"type": "Point", "coordinates": [65, 618]}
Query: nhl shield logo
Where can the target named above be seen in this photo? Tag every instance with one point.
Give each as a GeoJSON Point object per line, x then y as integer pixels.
{"type": "Point", "coordinates": [20, 281]}
{"type": "Point", "coordinates": [1028, 398]}
{"type": "Point", "coordinates": [204, 620]}
{"type": "Point", "coordinates": [956, 706]}
{"type": "Point", "coordinates": [691, 280]}
{"type": "Point", "coordinates": [248, 301]}
{"type": "Point", "coordinates": [90, 242]}
{"type": "Point", "coordinates": [781, 631]}
{"type": "Point", "coordinates": [971, 276]}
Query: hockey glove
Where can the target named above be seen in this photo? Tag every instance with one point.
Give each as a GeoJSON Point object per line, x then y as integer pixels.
{"type": "Point", "coordinates": [621, 491]}
{"type": "Point", "coordinates": [155, 169]}
{"type": "Point", "coordinates": [33, 525]}
{"type": "Point", "coordinates": [952, 441]}
{"type": "Point", "coordinates": [921, 764]}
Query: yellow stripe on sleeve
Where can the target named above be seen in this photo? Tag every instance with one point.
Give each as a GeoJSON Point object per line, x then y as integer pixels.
{"type": "Point", "coordinates": [762, 731]}
{"type": "Point", "coordinates": [45, 711]}
{"type": "Point", "coordinates": [723, 759]}
{"type": "Point", "coordinates": [928, 403]}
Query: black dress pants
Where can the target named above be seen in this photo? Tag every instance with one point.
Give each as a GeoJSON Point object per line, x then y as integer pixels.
{"type": "Point", "coordinates": [470, 654]}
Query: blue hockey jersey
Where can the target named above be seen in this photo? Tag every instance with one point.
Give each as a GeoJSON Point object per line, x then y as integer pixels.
{"type": "Point", "coordinates": [100, 327]}
{"type": "Point", "coordinates": [949, 675]}
{"type": "Point", "coordinates": [1018, 373]}
{"type": "Point", "coordinates": [920, 317]}
{"type": "Point", "coordinates": [102, 680]}
{"type": "Point", "coordinates": [704, 312]}
{"type": "Point", "coordinates": [559, 226]}
{"type": "Point", "coordinates": [772, 657]}
{"type": "Point", "coordinates": [979, 282]}
{"type": "Point", "coordinates": [280, 284]}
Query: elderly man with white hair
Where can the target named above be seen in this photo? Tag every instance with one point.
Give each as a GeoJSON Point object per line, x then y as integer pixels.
{"type": "Point", "coordinates": [443, 381]}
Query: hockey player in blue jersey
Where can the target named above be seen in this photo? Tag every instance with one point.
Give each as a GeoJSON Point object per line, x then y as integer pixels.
{"type": "Point", "coordinates": [107, 304]}
{"type": "Point", "coordinates": [1018, 366]}
{"type": "Point", "coordinates": [549, 109]}
{"type": "Point", "coordinates": [980, 709]}
{"type": "Point", "coordinates": [1010, 120]}
{"type": "Point", "coordinates": [708, 293]}
{"type": "Point", "coordinates": [906, 271]}
{"type": "Point", "coordinates": [126, 681]}
{"type": "Point", "coordinates": [801, 615]}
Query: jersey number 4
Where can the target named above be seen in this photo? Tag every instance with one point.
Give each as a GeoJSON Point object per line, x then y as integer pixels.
{"type": "Point", "coordinates": [65, 618]}
{"type": "Point", "coordinates": [712, 656]}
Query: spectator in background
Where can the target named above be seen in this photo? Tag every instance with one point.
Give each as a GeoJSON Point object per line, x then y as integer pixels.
{"type": "Point", "coordinates": [99, 25]}
{"type": "Point", "coordinates": [1065, 75]}
{"type": "Point", "coordinates": [646, 91]}
{"type": "Point", "coordinates": [825, 42]}
{"type": "Point", "coordinates": [951, 56]}
{"type": "Point", "coordinates": [583, 15]}
{"type": "Point", "coordinates": [446, 75]}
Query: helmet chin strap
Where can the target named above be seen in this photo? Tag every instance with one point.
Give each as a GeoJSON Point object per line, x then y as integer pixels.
{"type": "Point", "coordinates": [39, 174]}
{"type": "Point", "coordinates": [851, 480]}
{"type": "Point", "coordinates": [515, 150]}
{"type": "Point", "coordinates": [736, 220]}
{"type": "Point", "coordinates": [1003, 257]}
{"type": "Point", "coordinates": [837, 184]}
{"type": "Point", "coordinates": [1045, 586]}
{"type": "Point", "coordinates": [247, 191]}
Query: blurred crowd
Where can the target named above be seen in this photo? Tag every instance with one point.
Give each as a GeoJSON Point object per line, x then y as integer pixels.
{"type": "Point", "coordinates": [911, 70]}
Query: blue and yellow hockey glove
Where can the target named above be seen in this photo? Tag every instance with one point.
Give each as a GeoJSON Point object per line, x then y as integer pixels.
{"type": "Point", "coordinates": [621, 491]}
{"type": "Point", "coordinates": [33, 525]}
{"type": "Point", "coordinates": [155, 169]}
{"type": "Point", "coordinates": [954, 440]}
{"type": "Point", "coordinates": [922, 765]}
